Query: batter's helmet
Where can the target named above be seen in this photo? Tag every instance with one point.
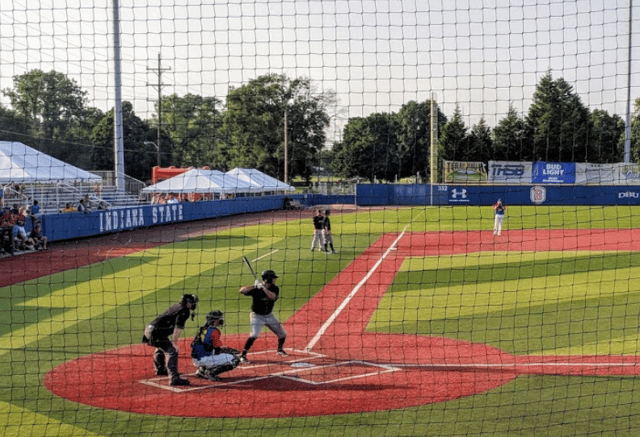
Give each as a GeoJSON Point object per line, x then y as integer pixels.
{"type": "Point", "coordinates": [212, 316]}
{"type": "Point", "coordinates": [269, 275]}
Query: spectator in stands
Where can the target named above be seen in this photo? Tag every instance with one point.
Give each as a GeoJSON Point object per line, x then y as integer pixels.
{"type": "Point", "coordinates": [18, 233]}
{"type": "Point", "coordinates": [6, 227]}
{"type": "Point", "coordinates": [102, 205]}
{"type": "Point", "coordinates": [36, 239]}
{"type": "Point", "coordinates": [172, 199]}
{"type": "Point", "coordinates": [82, 206]}
{"type": "Point", "coordinates": [69, 208]}
{"type": "Point", "coordinates": [34, 211]}
{"type": "Point", "coordinates": [1, 197]}
{"type": "Point", "coordinates": [6, 219]}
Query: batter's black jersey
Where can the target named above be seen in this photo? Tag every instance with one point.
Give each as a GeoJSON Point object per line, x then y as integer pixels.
{"type": "Point", "coordinates": [175, 316]}
{"type": "Point", "coordinates": [318, 221]}
{"type": "Point", "coordinates": [262, 305]}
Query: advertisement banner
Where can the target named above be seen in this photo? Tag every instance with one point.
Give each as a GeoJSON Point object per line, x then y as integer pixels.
{"type": "Point", "coordinates": [628, 174]}
{"type": "Point", "coordinates": [458, 171]}
{"type": "Point", "coordinates": [512, 172]}
{"type": "Point", "coordinates": [588, 173]}
{"type": "Point", "coordinates": [554, 172]}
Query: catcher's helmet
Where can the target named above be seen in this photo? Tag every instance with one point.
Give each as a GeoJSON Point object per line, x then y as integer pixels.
{"type": "Point", "coordinates": [212, 316]}
{"type": "Point", "coordinates": [269, 275]}
{"type": "Point", "coordinates": [189, 298]}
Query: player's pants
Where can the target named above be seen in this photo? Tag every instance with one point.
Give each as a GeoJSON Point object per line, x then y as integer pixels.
{"type": "Point", "coordinates": [165, 355]}
{"type": "Point", "coordinates": [270, 321]}
{"type": "Point", "coordinates": [211, 361]}
{"type": "Point", "coordinates": [328, 239]}
{"type": "Point", "coordinates": [317, 237]}
{"type": "Point", "coordinates": [497, 227]}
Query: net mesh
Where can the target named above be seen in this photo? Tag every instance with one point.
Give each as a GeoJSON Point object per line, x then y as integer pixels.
{"type": "Point", "coordinates": [399, 308]}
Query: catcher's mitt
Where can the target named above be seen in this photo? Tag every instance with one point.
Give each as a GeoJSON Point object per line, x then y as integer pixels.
{"type": "Point", "coordinates": [229, 350]}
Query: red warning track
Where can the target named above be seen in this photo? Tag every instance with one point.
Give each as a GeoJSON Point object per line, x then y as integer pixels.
{"type": "Point", "coordinates": [346, 370]}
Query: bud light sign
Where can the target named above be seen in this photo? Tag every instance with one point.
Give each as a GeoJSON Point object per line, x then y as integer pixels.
{"type": "Point", "coordinates": [554, 173]}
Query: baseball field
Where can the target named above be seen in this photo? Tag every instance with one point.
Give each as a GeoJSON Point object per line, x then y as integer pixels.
{"type": "Point", "coordinates": [423, 323]}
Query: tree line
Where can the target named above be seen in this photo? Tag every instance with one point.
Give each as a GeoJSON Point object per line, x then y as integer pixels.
{"type": "Point", "coordinates": [50, 112]}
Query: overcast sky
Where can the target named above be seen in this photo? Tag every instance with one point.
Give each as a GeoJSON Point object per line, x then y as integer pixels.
{"type": "Point", "coordinates": [376, 55]}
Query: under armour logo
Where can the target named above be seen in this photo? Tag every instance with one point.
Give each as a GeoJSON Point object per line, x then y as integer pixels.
{"type": "Point", "coordinates": [455, 193]}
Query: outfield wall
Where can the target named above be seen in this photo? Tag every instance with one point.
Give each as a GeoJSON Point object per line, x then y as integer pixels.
{"type": "Point", "coordinates": [440, 194]}
{"type": "Point", "coordinates": [79, 225]}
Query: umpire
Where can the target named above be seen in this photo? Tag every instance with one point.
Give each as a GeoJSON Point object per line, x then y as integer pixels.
{"type": "Point", "coordinates": [169, 323]}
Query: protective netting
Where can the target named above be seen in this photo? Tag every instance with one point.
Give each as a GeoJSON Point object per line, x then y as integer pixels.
{"type": "Point", "coordinates": [326, 174]}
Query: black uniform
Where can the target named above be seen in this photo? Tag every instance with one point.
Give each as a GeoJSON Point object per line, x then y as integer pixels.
{"type": "Point", "coordinates": [261, 304]}
{"type": "Point", "coordinates": [318, 223]}
{"type": "Point", "coordinates": [165, 357]}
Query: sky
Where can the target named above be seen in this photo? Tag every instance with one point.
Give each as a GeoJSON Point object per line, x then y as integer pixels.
{"type": "Point", "coordinates": [482, 55]}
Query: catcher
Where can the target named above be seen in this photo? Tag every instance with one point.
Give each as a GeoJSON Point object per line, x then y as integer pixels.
{"type": "Point", "coordinates": [207, 352]}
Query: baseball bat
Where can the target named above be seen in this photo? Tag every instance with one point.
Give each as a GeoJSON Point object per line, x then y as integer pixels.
{"type": "Point", "coordinates": [246, 261]}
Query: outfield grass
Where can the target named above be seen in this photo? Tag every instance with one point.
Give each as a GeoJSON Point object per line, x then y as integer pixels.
{"type": "Point", "coordinates": [524, 303]}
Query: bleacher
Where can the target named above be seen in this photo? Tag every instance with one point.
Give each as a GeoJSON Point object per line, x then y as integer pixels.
{"type": "Point", "coordinates": [52, 198]}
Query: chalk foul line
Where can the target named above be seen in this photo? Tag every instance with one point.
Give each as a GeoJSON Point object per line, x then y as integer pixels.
{"type": "Point", "coordinates": [353, 292]}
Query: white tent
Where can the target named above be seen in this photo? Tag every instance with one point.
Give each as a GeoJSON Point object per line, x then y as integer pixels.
{"type": "Point", "coordinates": [200, 181]}
{"type": "Point", "coordinates": [22, 164]}
{"type": "Point", "coordinates": [260, 180]}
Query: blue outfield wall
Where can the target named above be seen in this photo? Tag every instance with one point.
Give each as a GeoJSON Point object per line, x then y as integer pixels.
{"type": "Point", "coordinates": [422, 194]}
{"type": "Point", "coordinates": [78, 225]}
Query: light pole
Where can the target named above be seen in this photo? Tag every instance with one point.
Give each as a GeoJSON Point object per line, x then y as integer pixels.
{"type": "Point", "coordinates": [151, 143]}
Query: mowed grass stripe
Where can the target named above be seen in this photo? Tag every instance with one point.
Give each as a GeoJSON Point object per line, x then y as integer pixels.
{"type": "Point", "coordinates": [89, 292]}
{"type": "Point", "coordinates": [547, 303]}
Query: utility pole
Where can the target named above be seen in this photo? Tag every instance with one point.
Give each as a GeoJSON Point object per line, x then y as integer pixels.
{"type": "Point", "coordinates": [159, 87]}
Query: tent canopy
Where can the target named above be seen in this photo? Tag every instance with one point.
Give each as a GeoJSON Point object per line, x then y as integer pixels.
{"type": "Point", "coordinates": [201, 181]}
{"type": "Point", "coordinates": [22, 164]}
{"type": "Point", "coordinates": [260, 180]}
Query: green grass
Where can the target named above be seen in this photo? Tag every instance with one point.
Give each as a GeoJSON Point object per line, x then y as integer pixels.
{"type": "Point", "coordinates": [524, 303]}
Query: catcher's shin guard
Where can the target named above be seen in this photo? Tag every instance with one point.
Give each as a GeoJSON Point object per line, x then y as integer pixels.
{"type": "Point", "coordinates": [221, 369]}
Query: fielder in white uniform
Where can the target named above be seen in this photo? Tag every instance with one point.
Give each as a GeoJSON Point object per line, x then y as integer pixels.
{"type": "Point", "coordinates": [499, 209]}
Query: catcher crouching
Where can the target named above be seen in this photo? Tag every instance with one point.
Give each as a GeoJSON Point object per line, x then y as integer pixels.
{"type": "Point", "coordinates": [207, 352]}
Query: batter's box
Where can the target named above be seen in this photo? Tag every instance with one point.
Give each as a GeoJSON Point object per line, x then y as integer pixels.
{"type": "Point", "coordinates": [336, 372]}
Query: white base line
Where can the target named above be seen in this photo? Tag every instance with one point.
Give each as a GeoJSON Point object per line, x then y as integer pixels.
{"type": "Point", "coordinates": [266, 254]}
{"type": "Point", "coordinates": [514, 365]}
{"type": "Point", "coordinates": [343, 305]}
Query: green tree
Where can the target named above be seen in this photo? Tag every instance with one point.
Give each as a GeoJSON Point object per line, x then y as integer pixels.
{"type": "Point", "coordinates": [559, 123]}
{"type": "Point", "coordinates": [138, 159]}
{"type": "Point", "coordinates": [454, 140]}
{"type": "Point", "coordinates": [53, 105]}
{"type": "Point", "coordinates": [367, 148]}
{"type": "Point", "coordinates": [253, 128]}
{"type": "Point", "coordinates": [635, 132]}
{"type": "Point", "coordinates": [607, 137]}
{"type": "Point", "coordinates": [510, 138]}
{"type": "Point", "coordinates": [192, 123]}
{"type": "Point", "coordinates": [13, 127]}
{"type": "Point", "coordinates": [413, 125]}
{"type": "Point", "coordinates": [480, 142]}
